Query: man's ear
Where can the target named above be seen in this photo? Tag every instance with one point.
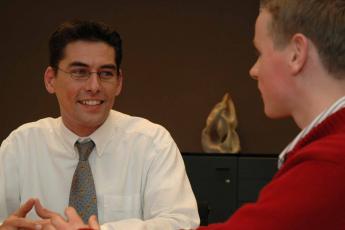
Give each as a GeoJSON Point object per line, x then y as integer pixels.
{"type": "Point", "coordinates": [49, 79]}
{"type": "Point", "coordinates": [119, 82]}
{"type": "Point", "coordinates": [299, 53]}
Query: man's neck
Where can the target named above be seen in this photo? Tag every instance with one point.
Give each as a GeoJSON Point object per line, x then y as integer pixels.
{"type": "Point", "coordinates": [311, 110]}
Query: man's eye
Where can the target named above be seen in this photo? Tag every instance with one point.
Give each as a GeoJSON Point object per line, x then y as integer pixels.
{"type": "Point", "coordinates": [106, 74]}
{"type": "Point", "coordinates": [80, 72]}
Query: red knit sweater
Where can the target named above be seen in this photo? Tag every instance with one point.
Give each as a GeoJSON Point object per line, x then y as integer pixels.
{"type": "Point", "coordinates": [308, 192]}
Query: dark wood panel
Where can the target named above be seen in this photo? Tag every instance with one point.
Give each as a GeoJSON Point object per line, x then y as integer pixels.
{"type": "Point", "coordinates": [226, 181]}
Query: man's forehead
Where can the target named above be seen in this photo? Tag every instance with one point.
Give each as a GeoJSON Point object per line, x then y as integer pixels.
{"type": "Point", "coordinates": [256, 31]}
{"type": "Point", "coordinates": [89, 46]}
{"type": "Point", "coordinates": [89, 53]}
{"type": "Point", "coordinates": [262, 22]}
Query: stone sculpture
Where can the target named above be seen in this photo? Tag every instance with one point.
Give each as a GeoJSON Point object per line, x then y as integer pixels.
{"type": "Point", "coordinates": [219, 135]}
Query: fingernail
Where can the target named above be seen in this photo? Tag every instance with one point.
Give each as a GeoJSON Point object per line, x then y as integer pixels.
{"type": "Point", "coordinates": [38, 226]}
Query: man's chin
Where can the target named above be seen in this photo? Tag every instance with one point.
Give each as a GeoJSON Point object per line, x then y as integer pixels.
{"type": "Point", "coordinates": [93, 122]}
{"type": "Point", "coordinates": [275, 114]}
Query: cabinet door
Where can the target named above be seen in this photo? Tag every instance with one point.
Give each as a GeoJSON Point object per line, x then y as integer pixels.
{"type": "Point", "coordinates": [253, 174]}
{"type": "Point", "coordinates": [214, 181]}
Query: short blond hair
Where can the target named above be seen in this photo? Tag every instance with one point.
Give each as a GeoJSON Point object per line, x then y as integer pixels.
{"type": "Point", "coordinates": [321, 21]}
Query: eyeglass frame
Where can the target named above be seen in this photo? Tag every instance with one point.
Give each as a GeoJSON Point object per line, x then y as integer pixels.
{"type": "Point", "coordinates": [88, 75]}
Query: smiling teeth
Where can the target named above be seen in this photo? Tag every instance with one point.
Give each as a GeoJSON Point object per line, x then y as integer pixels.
{"type": "Point", "coordinates": [91, 102]}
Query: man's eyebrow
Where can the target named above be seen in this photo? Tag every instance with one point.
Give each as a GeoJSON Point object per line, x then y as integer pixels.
{"type": "Point", "coordinates": [81, 64]}
{"type": "Point", "coordinates": [108, 66]}
{"type": "Point", "coordinates": [254, 45]}
{"type": "Point", "coordinates": [77, 64]}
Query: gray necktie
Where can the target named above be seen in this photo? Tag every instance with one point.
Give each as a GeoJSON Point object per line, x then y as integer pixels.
{"type": "Point", "coordinates": [83, 193]}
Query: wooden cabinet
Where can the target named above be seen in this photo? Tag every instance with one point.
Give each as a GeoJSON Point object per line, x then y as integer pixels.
{"type": "Point", "coordinates": [223, 182]}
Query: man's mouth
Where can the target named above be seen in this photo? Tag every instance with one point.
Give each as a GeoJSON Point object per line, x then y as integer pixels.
{"type": "Point", "coordinates": [91, 102]}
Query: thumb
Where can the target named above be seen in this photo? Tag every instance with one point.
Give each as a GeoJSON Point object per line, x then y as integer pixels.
{"type": "Point", "coordinates": [93, 223]}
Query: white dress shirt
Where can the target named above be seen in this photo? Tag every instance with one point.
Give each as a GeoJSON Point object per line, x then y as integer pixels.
{"type": "Point", "coordinates": [138, 172]}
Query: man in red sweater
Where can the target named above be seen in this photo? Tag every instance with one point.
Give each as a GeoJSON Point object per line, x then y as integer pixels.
{"type": "Point", "coordinates": [301, 73]}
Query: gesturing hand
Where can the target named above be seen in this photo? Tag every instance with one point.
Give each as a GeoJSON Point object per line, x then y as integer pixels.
{"type": "Point", "coordinates": [18, 221]}
{"type": "Point", "coordinates": [57, 222]}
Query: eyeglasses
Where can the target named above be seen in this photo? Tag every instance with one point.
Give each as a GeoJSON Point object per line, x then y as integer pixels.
{"type": "Point", "coordinates": [81, 74]}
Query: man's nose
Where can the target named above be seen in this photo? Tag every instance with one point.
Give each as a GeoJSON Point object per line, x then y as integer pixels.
{"type": "Point", "coordinates": [93, 84]}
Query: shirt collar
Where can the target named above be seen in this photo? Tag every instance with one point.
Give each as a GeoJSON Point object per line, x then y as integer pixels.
{"type": "Point", "coordinates": [100, 136]}
{"type": "Point", "coordinates": [339, 104]}
{"type": "Point", "coordinates": [103, 134]}
{"type": "Point", "coordinates": [68, 137]}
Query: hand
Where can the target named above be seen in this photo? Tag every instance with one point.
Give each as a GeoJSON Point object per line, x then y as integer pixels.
{"type": "Point", "coordinates": [57, 222]}
{"type": "Point", "coordinates": [18, 221]}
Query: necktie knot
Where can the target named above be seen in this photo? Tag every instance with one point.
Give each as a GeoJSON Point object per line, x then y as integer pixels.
{"type": "Point", "coordinates": [84, 149]}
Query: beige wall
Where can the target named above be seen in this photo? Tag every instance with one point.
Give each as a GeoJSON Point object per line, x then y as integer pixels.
{"type": "Point", "coordinates": [180, 57]}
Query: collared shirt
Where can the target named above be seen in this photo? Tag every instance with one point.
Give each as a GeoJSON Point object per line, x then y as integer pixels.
{"type": "Point", "coordinates": [339, 104]}
{"type": "Point", "coordinates": [138, 172]}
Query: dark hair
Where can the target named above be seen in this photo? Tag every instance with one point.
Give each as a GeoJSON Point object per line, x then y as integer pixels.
{"type": "Point", "coordinates": [322, 21]}
{"type": "Point", "coordinates": [76, 30]}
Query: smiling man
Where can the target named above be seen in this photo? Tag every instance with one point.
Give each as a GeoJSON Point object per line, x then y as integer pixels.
{"type": "Point", "coordinates": [126, 171]}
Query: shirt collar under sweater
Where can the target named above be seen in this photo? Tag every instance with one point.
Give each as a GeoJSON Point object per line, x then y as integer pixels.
{"type": "Point", "coordinates": [339, 104]}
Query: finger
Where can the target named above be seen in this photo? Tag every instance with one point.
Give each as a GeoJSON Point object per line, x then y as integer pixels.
{"type": "Point", "coordinates": [72, 215]}
{"type": "Point", "coordinates": [43, 212]}
{"type": "Point", "coordinates": [25, 208]}
{"type": "Point", "coordinates": [58, 222]}
{"type": "Point", "coordinates": [42, 222]}
{"type": "Point", "coordinates": [21, 223]}
{"type": "Point", "coordinates": [93, 223]}
{"type": "Point", "coordinates": [48, 227]}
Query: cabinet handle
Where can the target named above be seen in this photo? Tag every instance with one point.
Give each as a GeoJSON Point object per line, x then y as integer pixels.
{"type": "Point", "coordinates": [222, 169]}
